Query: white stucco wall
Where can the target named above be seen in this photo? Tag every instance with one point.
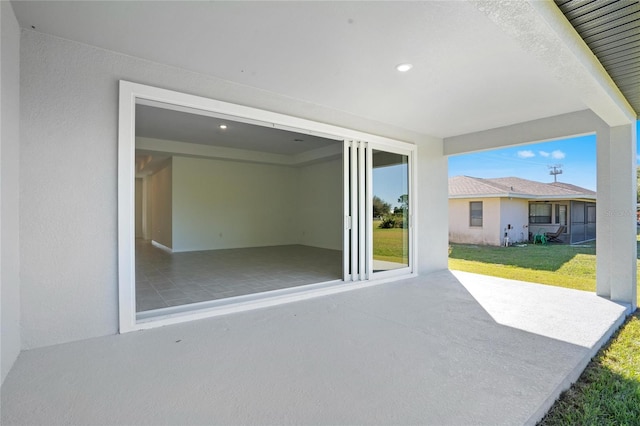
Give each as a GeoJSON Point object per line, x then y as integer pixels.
{"type": "Point", "coordinates": [9, 189]}
{"type": "Point", "coordinates": [515, 212]}
{"type": "Point", "coordinates": [162, 205]}
{"type": "Point", "coordinates": [228, 204]}
{"type": "Point", "coordinates": [616, 251]}
{"type": "Point", "coordinates": [69, 94]}
{"type": "Point", "coordinates": [432, 192]}
{"type": "Point", "coordinates": [318, 204]}
{"type": "Point", "coordinates": [460, 231]}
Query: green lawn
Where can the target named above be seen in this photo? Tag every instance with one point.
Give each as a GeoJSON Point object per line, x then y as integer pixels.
{"type": "Point", "coordinates": [391, 244]}
{"type": "Point", "coordinates": [561, 265]}
{"type": "Point", "coordinates": [608, 392]}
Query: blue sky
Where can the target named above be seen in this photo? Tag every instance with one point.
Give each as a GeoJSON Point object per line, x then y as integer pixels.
{"type": "Point", "coordinates": [577, 155]}
{"type": "Point", "coordinates": [389, 183]}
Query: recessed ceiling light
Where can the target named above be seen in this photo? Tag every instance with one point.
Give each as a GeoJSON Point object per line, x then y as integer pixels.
{"type": "Point", "coordinates": [223, 126]}
{"type": "Point", "coordinates": [404, 67]}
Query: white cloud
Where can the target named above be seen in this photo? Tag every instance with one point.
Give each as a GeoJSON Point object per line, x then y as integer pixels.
{"type": "Point", "coordinates": [544, 153]}
{"type": "Point", "coordinates": [526, 154]}
{"type": "Point", "coordinates": [557, 155]}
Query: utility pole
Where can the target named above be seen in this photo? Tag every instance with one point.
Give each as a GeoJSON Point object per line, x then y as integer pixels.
{"type": "Point", "coordinates": [556, 170]}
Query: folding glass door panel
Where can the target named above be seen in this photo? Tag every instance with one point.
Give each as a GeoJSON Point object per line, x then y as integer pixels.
{"type": "Point", "coordinates": [390, 210]}
{"type": "Point", "coordinates": [356, 267]}
{"type": "Point", "coordinates": [377, 205]}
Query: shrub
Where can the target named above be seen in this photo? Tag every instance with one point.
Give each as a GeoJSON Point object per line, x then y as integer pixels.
{"type": "Point", "coordinates": [389, 221]}
{"type": "Point", "coordinates": [392, 221]}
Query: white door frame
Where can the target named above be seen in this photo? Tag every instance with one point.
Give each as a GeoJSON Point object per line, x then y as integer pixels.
{"type": "Point", "coordinates": [134, 93]}
{"type": "Point", "coordinates": [358, 208]}
{"type": "Point", "coordinates": [410, 153]}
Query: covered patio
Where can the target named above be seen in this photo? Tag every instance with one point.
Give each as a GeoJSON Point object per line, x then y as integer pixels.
{"type": "Point", "coordinates": [443, 348]}
{"type": "Point", "coordinates": [443, 78]}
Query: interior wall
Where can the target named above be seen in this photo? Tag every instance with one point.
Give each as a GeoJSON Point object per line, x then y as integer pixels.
{"type": "Point", "coordinates": [147, 223]}
{"type": "Point", "coordinates": [139, 213]}
{"type": "Point", "coordinates": [227, 204]}
{"type": "Point", "coordinates": [319, 204]}
{"type": "Point", "coordinates": [9, 189]}
{"type": "Point", "coordinates": [162, 205]}
{"type": "Point", "coordinates": [69, 178]}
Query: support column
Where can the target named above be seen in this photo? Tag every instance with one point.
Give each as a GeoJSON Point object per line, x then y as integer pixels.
{"type": "Point", "coordinates": [616, 253]}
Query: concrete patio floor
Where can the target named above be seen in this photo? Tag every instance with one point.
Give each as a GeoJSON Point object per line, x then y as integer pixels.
{"type": "Point", "coordinates": [445, 348]}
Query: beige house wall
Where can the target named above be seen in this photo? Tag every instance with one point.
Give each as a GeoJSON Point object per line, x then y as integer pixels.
{"type": "Point", "coordinates": [460, 230]}
{"type": "Point", "coordinates": [514, 212]}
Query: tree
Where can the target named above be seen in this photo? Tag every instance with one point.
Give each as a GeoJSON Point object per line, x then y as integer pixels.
{"type": "Point", "coordinates": [404, 204]}
{"type": "Point", "coordinates": [404, 201]}
{"type": "Point", "coordinates": [380, 208]}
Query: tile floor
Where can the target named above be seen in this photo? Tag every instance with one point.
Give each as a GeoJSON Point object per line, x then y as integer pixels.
{"type": "Point", "coordinates": [164, 279]}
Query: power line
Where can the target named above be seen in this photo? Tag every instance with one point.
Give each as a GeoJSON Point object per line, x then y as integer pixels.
{"type": "Point", "coordinates": [555, 171]}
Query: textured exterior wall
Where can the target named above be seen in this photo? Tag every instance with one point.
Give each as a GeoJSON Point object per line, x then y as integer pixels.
{"type": "Point", "coordinates": [616, 251]}
{"type": "Point", "coordinates": [431, 219]}
{"type": "Point", "coordinates": [460, 231]}
{"type": "Point", "coordinates": [69, 94]}
{"type": "Point", "coordinates": [515, 212]}
{"type": "Point", "coordinates": [9, 199]}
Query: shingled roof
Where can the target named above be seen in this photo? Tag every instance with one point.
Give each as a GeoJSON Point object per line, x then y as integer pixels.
{"type": "Point", "coordinates": [514, 187]}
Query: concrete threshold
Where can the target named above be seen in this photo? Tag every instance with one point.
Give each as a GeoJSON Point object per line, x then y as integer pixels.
{"type": "Point", "coordinates": [447, 348]}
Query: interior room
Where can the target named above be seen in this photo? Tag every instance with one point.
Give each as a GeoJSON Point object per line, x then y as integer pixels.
{"type": "Point", "coordinates": [227, 208]}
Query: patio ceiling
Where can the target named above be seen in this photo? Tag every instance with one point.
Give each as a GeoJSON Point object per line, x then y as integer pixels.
{"type": "Point", "coordinates": [476, 65]}
{"type": "Point", "coordinates": [611, 29]}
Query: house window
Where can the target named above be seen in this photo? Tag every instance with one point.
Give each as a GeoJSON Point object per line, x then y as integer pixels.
{"type": "Point", "coordinates": [475, 213]}
{"type": "Point", "coordinates": [540, 213]}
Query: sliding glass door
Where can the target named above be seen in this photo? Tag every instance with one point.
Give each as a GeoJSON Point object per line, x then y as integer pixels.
{"type": "Point", "coordinates": [390, 211]}
{"type": "Point", "coordinates": [378, 205]}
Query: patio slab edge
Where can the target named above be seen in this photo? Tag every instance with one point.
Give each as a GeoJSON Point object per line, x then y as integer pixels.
{"type": "Point", "coordinates": [577, 371]}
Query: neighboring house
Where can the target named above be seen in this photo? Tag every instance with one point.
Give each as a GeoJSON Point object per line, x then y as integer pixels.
{"type": "Point", "coordinates": [486, 211]}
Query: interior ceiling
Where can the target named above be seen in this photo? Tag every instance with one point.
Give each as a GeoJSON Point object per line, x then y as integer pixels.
{"type": "Point", "coordinates": [468, 75]}
{"type": "Point", "coordinates": [611, 29]}
{"type": "Point", "coordinates": [160, 123]}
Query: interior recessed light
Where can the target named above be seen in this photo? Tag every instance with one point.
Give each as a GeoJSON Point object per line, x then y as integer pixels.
{"type": "Point", "coordinates": [223, 126]}
{"type": "Point", "coordinates": [404, 67]}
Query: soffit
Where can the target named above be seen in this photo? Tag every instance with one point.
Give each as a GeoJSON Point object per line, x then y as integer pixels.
{"type": "Point", "coordinates": [611, 29]}
{"type": "Point", "coordinates": [469, 73]}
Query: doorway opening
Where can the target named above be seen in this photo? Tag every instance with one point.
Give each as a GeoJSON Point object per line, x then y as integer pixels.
{"type": "Point", "coordinates": [224, 208]}
{"type": "Point", "coordinates": [230, 208]}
